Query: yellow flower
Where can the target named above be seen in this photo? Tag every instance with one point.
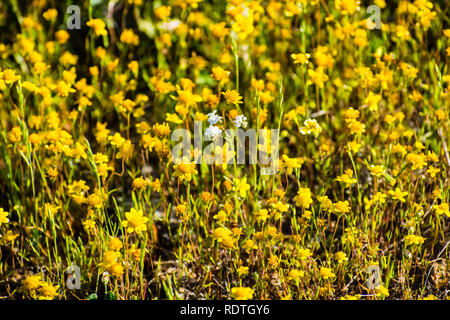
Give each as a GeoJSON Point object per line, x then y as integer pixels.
{"type": "Point", "coordinates": [221, 216]}
{"type": "Point", "coordinates": [376, 170]}
{"type": "Point", "coordinates": [340, 257]}
{"type": "Point", "coordinates": [224, 237]}
{"type": "Point", "coordinates": [50, 14]}
{"type": "Point", "coordinates": [341, 206]}
{"type": "Point", "coordinates": [356, 127]}
{"type": "Point", "coordinates": [433, 171]}
{"type": "Point", "coordinates": [295, 275]}
{"type": "Point", "coordinates": [412, 239]}
{"type": "Point", "coordinates": [139, 183]}
{"type": "Point", "coordinates": [109, 258]}
{"type": "Point", "coordinates": [206, 196]}
{"type": "Point", "coordinates": [242, 293]}
{"type": "Point", "coordinates": [48, 292]}
{"type": "Point", "coordinates": [232, 97]}
{"type": "Point", "coordinates": [249, 244]}
{"type": "Point", "coordinates": [382, 291]}
{"type": "Point", "coordinates": [62, 36]}
{"type": "Point", "coordinates": [301, 58]}
{"type": "Point", "coordinates": [326, 273]}
{"type": "Point", "coordinates": [219, 74]}
{"type": "Point", "coordinates": [241, 186]}
{"type": "Point", "coordinates": [242, 271]}
{"type": "Point", "coordinates": [303, 198]}
{"type": "Point", "coordinates": [184, 169]}
{"type": "Point", "coordinates": [262, 215]}
{"type": "Point", "coordinates": [163, 12]}
{"type": "Point", "coordinates": [310, 126]}
{"type": "Point", "coordinates": [115, 244]}
{"type": "Point", "coordinates": [347, 177]}
{"type": "Point", "coordinates": [8, 237]}
{"type": "Point", "coordinates": [353, 146]}
{"type": "Point", "coordinates": [33, 282]}
{"type": "Point", "coordinates": [291, 163]}
{"type": "Point", "coordinates": [63, 89]}
{"type": "Point", "coordinates": [9, 76]}
{"type": "Point", "coordinates": [116, 269]}
{"type": "Point", "coordinates": [161, 129]}
{"type": "Point", "coordinates": [95, 200]}
{"type": "Point", "coordinates": [187, 98]}
{"type": "Point", "coordinates": [173, 117]}
{"type": "Point", "coordinates": [397, 194]}
{"type": "Point", "coordinates": [441, 209]}
{"type": "Point", "coordinates": [136, 222]}
{"type": "Point", "coordinates": [125, 151]}
{"type": "Point", "coordinates": [129, 37]}
{"type": "Point", "coordinates": [3, 216]}
{"type": "Point", "coordinates": [98, 25]}
{"type": "Point", "coordinates": [317, 76]}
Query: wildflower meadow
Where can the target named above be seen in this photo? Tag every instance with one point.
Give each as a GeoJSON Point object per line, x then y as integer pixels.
{"type": "Point", "coordinates": [224, 149]}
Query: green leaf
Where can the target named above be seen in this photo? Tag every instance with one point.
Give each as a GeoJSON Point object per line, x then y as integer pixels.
{"type": "Point", "coordinates": [93, 296]}
{"type": "Point", "coordinates": [110, 296]}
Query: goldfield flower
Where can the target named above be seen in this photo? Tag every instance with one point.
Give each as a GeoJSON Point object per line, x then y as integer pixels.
{"type": "Point", "coordinates": [187, 98]}
{"type": "Point", "coordinates": [219, 74]}
{"type": "Point", "coordinates": [310, 126]}
{"type": "Point", "coordinates": [317, 77]}
{"type": "Point", "coordinates": [129, 37]}
{"type": "Point", "coordinates": [115, 244]}
{"type": "Point", "coordinates": [139, 183]}
{"type": "Point", "coordinates": [98, 25]}
{"type": "Point", "coordinates": [412, 239]}
{"type": "Point", "coordinates": [291, 163]}
{"type": "Point", "coordinates": [295, 275]}
{"type": "Point", "coordinates": [50, 14]}
{"type": "Point", "coordinates": [224, 237]}
{"type": "Point", "coordinates": [184, 169]}
{"type": "Point", "coordinates": [62, 36]}
{"type": "Point", "coordinates": [241, 187]}
{"type": "Point", "coordinates": [326, 273]}
{"type": "Point", "coordinates": [3, 216]}
{"type": "Point", "coordinates": [232, 97]}
{"type": "Point", "coordinates": [397, 194]}
{"type": "Point", "coordinates": [347, 178]}
{"type": "Point", "coordinates": [382, 291]}
{"type": "Point", "coordinates": [440, 209]}
{"type": "Point", "coordinates": [242, 293]}
{"type": "Point", "coordinates": [126, 150]}
{"type": "Point", "coordinates": [300, 58]}
{"type": "Point", "coordinates": [303, 198]}
{"type": "Point", "coordinates": [48, 292]}
{"type": "Point", "coordinates": [341, 207]}
{"type": "Point", "coordinates": [163, 12]}
{"type": "Point", "coordinates": [135, 221]}
{"type": "Point", "coordinates": [242, 271]}
{"type": "Point", "coordinates": [340, 257]}
{"type": "Point", "coordinates": [376, 170]}
{"type": "Point", "coordinates": [33, 282]}
{"type": "Point", "coordinates": [9, 76]}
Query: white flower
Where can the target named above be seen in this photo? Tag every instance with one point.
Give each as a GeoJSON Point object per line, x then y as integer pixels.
{"type": "Point", "coordinates": [310, 127]}
{"type": "Point", "coordinates": [212, 132]}
{"type": "Point", "coordinates": [105, 277]}
{"type": "Point", "coordinates": [240, 121]}
{"type": "Point", "coordinates": [213, 118]}
{"type": "Point", "coordinates": [169, 26]}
